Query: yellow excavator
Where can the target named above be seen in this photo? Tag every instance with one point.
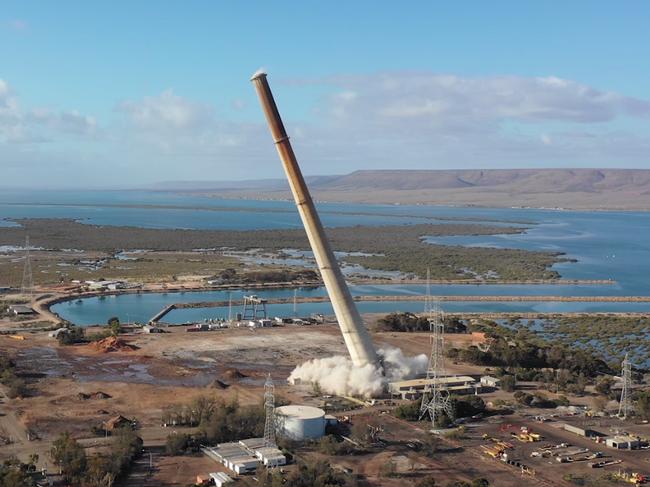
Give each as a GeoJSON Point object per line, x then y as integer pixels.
{"type": "Point", "coordinates": [632, 478]}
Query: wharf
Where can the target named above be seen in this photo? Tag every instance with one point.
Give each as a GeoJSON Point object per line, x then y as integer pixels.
{"type": "Point", "coordinates": [398, 298]}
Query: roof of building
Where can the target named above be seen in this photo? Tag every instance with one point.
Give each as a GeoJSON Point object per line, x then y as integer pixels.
{"type": "Point", "coordinates": [269, 451]}
{"type": "Point", "coordinates": [225, 445]}
{"type": "Point", "coordinates": [623, 439]}
{"type": "Point", "coordinates": [232, 452]}
{"type": "Point", "coordinates": [252, 442]}
{"type": "Point", "coordinates": [448, 381]}
{"type": "Point", "coordinates": [300, 411]}
{"type": "Point", "coordinates": [223, 477]}
{"type": "Point", "coordinates": [243, 460]}
{"type": "Point", "coordinates": [229, 447]}
{"type": "Point", "coordinates": [21, 308]}
{"type": "Point", "coordinates": [241, 452]}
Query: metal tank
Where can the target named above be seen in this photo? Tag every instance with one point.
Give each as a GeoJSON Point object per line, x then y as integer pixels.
{"type": "Point", "coordinates": [300, 422]}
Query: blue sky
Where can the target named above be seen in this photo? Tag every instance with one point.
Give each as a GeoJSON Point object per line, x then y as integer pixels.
{"type": "Point", "coordinates": [160, 91]}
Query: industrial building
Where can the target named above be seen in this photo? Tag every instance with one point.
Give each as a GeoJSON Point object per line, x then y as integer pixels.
{"type": "Point", "coordinates": [20, 309]}
{"type": "Point", "coordinates": [489, 381]}
{"type": "Point", "coordinates": [264, 323]}
{"type": "Point", "coordinates": [105, 285]}
{"type": "Point", "coordinates": [587, 433]}
{"type": "Point", "coordinates": [301, 422]}
{"type": "Point", "coordinates": [233, 456]}
{"type": "Point", "coordinates": [414, 388]}
{"type": "Point", "coordinates": [618, 442]}
{"type": "Point", "coordinates": [244, 456]}
{"type": "Point", "coordinates": [623, 442]}
{"type": "Point", "coordinates": [252, 444]}
{"type": "Point", "coordinates": [220, 479]}
{"type": "Point", "coordinates": [270, 456]}
{"type": "Point", "coordinates": [151, 329]}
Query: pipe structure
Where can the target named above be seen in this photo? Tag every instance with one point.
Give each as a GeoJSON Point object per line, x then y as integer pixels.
{"type": "Point", "coordinates": [356, 336]}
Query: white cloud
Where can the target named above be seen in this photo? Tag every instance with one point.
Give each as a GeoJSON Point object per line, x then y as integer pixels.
{"type": "Point", "coordinates": [21, 125]}
{"type": "Point", "coordinates": [70, 122]}
{"type": "Point", "coordinates": [389, 120]}
{"type": "Point", "coordinates": [187, 137]}
{"type": "Point", "coordinates": [428, 120]}
{"type": "Point", "coordinates": [167, 111]}
{"type": "Point", "coordinates": [441, 99]}
{"type": "Point", "coordinates": [4, 89]}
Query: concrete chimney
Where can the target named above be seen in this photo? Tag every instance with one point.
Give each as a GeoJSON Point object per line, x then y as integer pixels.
{"type": "Point", "coordinates": [355, 334]}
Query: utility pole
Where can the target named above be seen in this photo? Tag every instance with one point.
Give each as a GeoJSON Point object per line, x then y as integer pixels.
{"type": "Point", "coordinates": [625, 406]}
{"type": "Point", "coordinates": [27, 287]}
{"type": "Point", "coordinates": [269, 406]}
{"type": "Point", "coordinates": [438, 400]}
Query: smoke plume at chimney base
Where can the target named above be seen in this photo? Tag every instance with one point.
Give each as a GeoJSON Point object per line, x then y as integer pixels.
{"type": "Point", "coordinates": [338, 375]}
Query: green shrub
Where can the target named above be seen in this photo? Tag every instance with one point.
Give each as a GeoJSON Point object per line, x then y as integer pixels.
{"type": "Point", "coordinates": [176, 444]}
{"type": "Point", "coordinates": [409, 411]}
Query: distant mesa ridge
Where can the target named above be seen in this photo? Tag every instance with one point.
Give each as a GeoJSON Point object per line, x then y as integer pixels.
{"type": "Point", "coordinates": [519, 180]}
{"type": "Point", "coordinates": [569, 188]}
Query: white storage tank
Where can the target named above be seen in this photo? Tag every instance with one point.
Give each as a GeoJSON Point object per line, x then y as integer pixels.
{"type": "Point", "coordinates": [301, 422]}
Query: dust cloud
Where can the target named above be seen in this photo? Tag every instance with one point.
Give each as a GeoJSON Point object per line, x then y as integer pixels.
{"type": "Point", "coordinates": [337, 375]}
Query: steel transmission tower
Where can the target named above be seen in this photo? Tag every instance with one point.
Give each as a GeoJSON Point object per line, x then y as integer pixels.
{"type": "Point", "coordinates": [625, 407]}
{"type": "Point", "coordinates": [269, 407]}
{"type": "Point", "coordinates": [27, 286]}
{"type": "Point", "coordinates": [437, 399]}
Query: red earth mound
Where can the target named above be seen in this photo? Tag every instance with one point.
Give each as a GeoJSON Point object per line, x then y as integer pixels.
{"type": "Point", "coordinates": [113, 344]}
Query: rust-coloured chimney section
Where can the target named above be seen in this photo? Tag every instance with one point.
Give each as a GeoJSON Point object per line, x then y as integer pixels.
{"type": "Point", "coordinates": [355, 334]}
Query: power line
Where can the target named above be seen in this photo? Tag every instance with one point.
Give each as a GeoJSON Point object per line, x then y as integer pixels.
{"type": "Point", "coordinates": [437, 400]}
{"type": "Point", "coordinates": [27, 286]}
{"type": "Point", "coordinates": [625, 406]}
{"type": "Point", "coordinates": [269, 407]}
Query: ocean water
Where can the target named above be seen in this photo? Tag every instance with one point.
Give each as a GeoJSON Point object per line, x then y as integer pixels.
{"type": "Point", "coordinates": [607, 245]}
{"type": "Point", "coordinates": [141, 307]}
{"type": "Point", "coordinates": [169, 210]}
{"type": "Point", "coordinates": [198, 314]}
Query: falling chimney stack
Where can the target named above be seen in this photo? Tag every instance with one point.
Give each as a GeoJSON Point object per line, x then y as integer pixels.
{"type": "Point", "coordinates": [356, 336]}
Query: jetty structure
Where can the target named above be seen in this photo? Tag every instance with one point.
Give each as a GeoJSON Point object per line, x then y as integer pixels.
{"type": "Point", "coordinates": [158, 317]}
{"type": "Point", "coordinates": [356, 336]}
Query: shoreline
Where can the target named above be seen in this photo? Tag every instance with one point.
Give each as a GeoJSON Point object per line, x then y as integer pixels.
{"type": "Point", "coordinates": [52, 300]}
{"type": "Point", "coordinates": [238, 196]}
{"type": "Point", "coordinates": [444, 298]}
{"type": "Point", "coordinates": [288, 199]}
{"type": "Point", "coordinates": [381, 299]}
{"type": "Point", "coordinates": [44, 303]}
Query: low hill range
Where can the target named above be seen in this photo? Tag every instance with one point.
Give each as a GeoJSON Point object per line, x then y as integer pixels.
{"type": "Point", "coordinates": [585, 189]}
